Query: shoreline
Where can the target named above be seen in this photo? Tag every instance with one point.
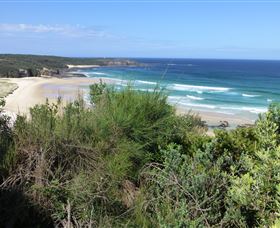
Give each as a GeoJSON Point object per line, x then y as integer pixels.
{"type": "Point", "coordinates": [214, 119]}
{"type": "Point", "coordinates": [71, 66]}
{"type": "Point", "coordinates": [35, 90]}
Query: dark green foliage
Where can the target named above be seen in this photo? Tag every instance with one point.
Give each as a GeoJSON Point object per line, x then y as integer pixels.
{"type": "Point", "coordinates": [129, 161]}
{"type": "Point", "coordinates": [231, 145]}
{"type": "Point", "coordinates": [12, 65]}
{"type": "Point", "coordinates": [85, 159]}
{"type": "Point", "coordinates": [143, 117]}
{"type": "Point", "coordinates": [6, 142]}
{"type": "Point", "coordinates": [18, 211]}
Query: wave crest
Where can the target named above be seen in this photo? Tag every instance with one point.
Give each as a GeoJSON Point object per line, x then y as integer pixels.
{"type": "Point", "coordinates": [195, 98]}
{"type": "Point", "coordinates": [145, 82]}
{"type": "Point", "coordinates": [195, 88]}
{"type": "Point", "coordinates": [249, 95]}
{"type": "Point", "coordinates": [97, 73]}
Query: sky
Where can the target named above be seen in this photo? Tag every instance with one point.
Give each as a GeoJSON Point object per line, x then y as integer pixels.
{"type": "Point", "coordinates": [230, 29]}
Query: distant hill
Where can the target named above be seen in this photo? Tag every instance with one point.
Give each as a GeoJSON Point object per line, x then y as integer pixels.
{"type": "Point", "coordinates": [36, 65]}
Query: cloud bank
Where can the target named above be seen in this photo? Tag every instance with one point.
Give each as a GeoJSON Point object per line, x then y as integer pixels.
{"type": "Point", "coordinates": [65, 30]}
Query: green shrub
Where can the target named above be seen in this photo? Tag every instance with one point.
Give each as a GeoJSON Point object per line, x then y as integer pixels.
{"type": "Point", "coordinates": [84, 158]}
{"type": "Point", "coordinates": [143, 117]}
{"type": "Point", "coordinates": [6, 143]}
{"type": "Point", "coordinates": [129, 161]}
{"type": "Point", "coordinates": [184, 191]}
{"type": "Point", "coordinates": [254, 195]}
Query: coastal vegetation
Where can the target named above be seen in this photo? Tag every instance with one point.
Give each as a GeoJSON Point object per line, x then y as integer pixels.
{"type": "Point", "coordinates": [128, 160]}
{"type": "Point", "coordinates": [35, 65]}
{"type": "Point", "coordinates": [6, 88]}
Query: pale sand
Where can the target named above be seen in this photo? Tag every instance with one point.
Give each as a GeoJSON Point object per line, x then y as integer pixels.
{"type": "Point", "coordinates": [82, 66]}
{"type": "Point", "coordinates": [213, 119]}
{"type": "Point", "coordinates": [36, 90]}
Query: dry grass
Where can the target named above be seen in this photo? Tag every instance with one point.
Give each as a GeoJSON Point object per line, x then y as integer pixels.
{"type": "Point", "coordinates": [6, 88]}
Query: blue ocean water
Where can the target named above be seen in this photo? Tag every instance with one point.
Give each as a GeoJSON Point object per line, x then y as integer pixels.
{"type": "Point", "coordinates": [231, 87]}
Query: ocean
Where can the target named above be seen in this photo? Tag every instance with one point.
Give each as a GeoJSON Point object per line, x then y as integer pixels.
{"type": "Point", "coordinates": [232, 87]}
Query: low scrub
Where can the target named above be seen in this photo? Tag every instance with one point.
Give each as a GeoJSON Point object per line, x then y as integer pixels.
{"type": "Point", "coordinates": [128, 161]}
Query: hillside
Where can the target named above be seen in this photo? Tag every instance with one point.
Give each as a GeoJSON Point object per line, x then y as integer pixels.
{"type": "Point", "coordinates": [35, 65]}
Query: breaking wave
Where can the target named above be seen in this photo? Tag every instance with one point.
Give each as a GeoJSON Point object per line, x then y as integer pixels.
{"type": "Point", "coordinates": [249, 95]}
{"type": "Point", "coordinates": [195, 98]}
{"type": "Point", "coordinates": [195, 88]}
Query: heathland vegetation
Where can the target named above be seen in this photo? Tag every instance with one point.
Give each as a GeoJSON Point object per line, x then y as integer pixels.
{"type": "Point", "coordinates": [35, 65]}
{"type": "Point", "coordinates": [6, 88]}
{"type": "Point", "coordinates": [128, 161]}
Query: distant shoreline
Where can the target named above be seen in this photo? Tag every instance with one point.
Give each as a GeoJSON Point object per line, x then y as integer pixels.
{"type": "Point", "coordinates": [16, 65]}
{"type": "Point", "coordinates": [82, 66]}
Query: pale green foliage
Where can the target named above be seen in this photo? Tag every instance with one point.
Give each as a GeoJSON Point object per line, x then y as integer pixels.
{"type": "Point", "coordinates": [96, 90]}
{"type": "Point", "coordinates": [129, 161]}
{"type": "Point", "coordinates": [254, 195]}
{"type": "Point", "coordinates": [185, 191]}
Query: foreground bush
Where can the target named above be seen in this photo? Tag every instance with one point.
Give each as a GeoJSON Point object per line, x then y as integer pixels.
{"type": "Point", "coordinates": [233, 181]}
{"type": "Point", "coordinates": [6, 141]}
{"type": "Point", "coordinates": [130, 161]}
{"type": "Point", "coordinates": [79, 162]}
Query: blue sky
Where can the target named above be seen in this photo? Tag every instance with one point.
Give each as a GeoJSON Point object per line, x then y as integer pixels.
{"type": "Point", "coordinates": [182, 29]}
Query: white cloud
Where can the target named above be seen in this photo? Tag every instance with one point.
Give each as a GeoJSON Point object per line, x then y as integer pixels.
{"type": "Point", "coordinates": [67, 30]}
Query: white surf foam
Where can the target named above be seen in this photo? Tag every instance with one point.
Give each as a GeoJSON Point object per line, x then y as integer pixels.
{"type": "Point", "coordinates": [197, 105]}
{"type": "Point", "coordinates": [145, 90]}
{"type": "Point", "coordinates": [249, 95]}
{"type": "Point", "coordinates": [185, 101]}
{"type": "Point", "coordinates": [97, 73]}
{"type": "Point", "coordinates": [255, 110]}
{"type": "Point", "coordinates": [194, 88]}
{"type": "Point", "coordinates": [195, 98]}
{"type": "Point", "coordinates": [180, 100]}
{"type": "Point", "coordinates": [115, 81]}
{"type": "Point", "coordinates": [176, 98]}
{"type": "Point", "coordinates": [145, 82]}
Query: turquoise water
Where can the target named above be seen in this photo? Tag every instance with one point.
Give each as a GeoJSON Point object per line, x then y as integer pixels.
{"type": "Point", "coordinates": [231, 87]}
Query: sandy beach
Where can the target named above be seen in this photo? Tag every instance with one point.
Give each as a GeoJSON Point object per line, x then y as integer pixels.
{"type": "Point", "coordinates": [82, 66]}
{"type": "Point", "coordinates": [213, 119]}
{"type": "Point", "coordinates": [36, 90]}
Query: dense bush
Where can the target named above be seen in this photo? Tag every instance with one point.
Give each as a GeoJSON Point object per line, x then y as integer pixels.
{"type": "Point", "coordinates": [233, 181]}
{"type": "Point", "coordinates": [6, 141]}
{"type": "Point", "coordinates": [128, 160]}
{"type": "Point", "coordinates": [12, 65]}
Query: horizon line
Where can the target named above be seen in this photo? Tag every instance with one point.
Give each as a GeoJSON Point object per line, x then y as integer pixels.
{"type": "Point", "coordinates": [141, 1]}
{"type": "Point", "coordinates": [139, 57]}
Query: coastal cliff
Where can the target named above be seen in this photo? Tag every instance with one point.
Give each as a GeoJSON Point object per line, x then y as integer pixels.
{"type": "Point", "coordinates": [15, 66]}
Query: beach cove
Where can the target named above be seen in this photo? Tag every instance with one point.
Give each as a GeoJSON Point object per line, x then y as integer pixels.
{"type": "Point", "coordinates": [36, 90]}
